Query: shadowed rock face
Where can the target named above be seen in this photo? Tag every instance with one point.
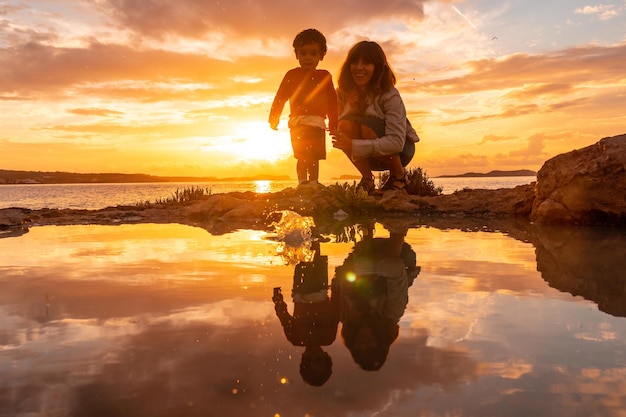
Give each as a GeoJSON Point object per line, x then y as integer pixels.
{"type": "Point", "coordinates": [585, 186]}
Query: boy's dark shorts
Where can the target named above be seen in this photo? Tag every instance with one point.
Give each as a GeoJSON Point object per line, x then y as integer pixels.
{"type": "Point", "coordinates": [308, 143]}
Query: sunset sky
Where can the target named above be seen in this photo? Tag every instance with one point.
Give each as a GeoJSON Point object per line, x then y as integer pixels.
{"type": "Point", "coordinates": [184, 87]}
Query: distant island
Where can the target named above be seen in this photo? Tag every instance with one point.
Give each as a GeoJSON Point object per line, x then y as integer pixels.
{"type": "Point", "coordinates": [347, 177]}
{"type": "Point", "coordinates": [58, 177]}
{"type": "Point", "coordinates": [495, 173]}
{"type": "Point", "coordinates": [40, 177]}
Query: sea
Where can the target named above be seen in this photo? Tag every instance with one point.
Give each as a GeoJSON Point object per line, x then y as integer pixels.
{"type": "Point", "coordinates": [99, 196]}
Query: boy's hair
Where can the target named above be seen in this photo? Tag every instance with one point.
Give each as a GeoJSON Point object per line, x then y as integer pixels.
{"type": "Point", "coordinates": [382, 79]}
{"type": "Point", "coordinates": [308, 36]}
{"type": "Point", "coordinates": [317, 371]}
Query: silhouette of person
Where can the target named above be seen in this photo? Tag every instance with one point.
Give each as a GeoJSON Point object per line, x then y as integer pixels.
{"type": "Point", "coordinates": [315, 316]}
{"type": "Point", "coordinates": [374, 281]}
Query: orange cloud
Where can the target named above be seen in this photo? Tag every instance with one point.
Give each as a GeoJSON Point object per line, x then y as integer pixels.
{"type": "Point", "coordinates": [95, 112]}
{"type": "Point", "coordinates": [241, 18]}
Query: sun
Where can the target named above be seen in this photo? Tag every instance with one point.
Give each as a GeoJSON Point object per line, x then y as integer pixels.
{"type": "Point", "coordinates": [256, 141]}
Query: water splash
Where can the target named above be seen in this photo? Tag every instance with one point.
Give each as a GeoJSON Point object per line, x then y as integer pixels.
{"type": "Point", "coordinates": [294, 233]}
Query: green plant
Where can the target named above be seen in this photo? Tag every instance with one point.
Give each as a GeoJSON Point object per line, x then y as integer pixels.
{"type": "Point", "coordinates": [348, 197]}
{"type": "Point", "coordinates": [179, 196]}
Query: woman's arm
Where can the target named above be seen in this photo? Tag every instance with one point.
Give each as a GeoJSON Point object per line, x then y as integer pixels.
{"type": "Point", "coordinates": [391, 107]}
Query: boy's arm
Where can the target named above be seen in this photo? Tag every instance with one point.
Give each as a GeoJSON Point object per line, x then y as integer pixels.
{"type": "Point", "coordinates": [281, 310]}
{"type": "Point", "coordinates": [282, 95]}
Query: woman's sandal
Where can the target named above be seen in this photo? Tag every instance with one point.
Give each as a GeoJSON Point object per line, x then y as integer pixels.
{"type": "Point", "coordinates": [395, 184]}
{"type": "Point", "coordinates": [367, 185]}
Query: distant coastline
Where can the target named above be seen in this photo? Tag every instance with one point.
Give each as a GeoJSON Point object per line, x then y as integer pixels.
{"type": "Point", "coordinates": [495, 173]}
{"type": "Point", "coordinates": [9, 177]}
{"type": "Point", "coordinates": [41, 177]}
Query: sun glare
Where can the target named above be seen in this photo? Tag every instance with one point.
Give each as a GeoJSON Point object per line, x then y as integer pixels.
{"type": "Point", "coordinates": [256, 141]}
{"type": "Point", "coordinates": [251, 141]}
{"type": "Point", "coordinates": [262, 186]}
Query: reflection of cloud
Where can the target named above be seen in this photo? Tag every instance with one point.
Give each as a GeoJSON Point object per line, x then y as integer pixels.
{"type": "Point", "coordinates": [228, 356]}
{"type": "Point", "coordinates": [482, 334]}
{"type": "Point", "coordinates": [203, 368]}
{"type": "Point", "coordinates": [512, 369]}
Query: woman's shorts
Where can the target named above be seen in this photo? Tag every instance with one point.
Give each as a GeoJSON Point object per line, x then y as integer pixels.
{"type": "Point", "coordinates": [378, 126]}
{"type": "Point", "coordinates": [308, 143]}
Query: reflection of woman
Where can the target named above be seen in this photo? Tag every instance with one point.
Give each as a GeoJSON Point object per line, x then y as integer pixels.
{"type": "Point", "coordinates": [374, 283]}
{"type": "Point", "coordinates": [373, 129]}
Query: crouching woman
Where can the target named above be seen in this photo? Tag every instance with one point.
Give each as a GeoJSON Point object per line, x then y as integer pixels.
{"type": "Point", "coordinates": [373, 129]}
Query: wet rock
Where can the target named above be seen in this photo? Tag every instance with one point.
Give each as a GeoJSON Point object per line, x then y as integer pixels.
{"type": "Point", "coordinates": [503, 202]}
{"type": "Point", "coordinates": [214, 206]}
{"type": "Point", "coordinates": [585, 186]}
{"type": "Point", "coordinates": [251, 213]}
{"type": "Point", "coordinates": [13, 217]}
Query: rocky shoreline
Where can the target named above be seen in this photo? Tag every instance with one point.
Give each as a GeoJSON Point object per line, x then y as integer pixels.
{"type": "Point", "coordinates": [582, 187]}
{"type": "Point", "coordinates": [237, 210]}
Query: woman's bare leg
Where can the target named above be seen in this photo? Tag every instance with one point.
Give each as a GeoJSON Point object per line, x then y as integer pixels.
{"type": "Point", "coordinates": [353, 130]}
{"type": "Point", "coordinates": [396, 169]}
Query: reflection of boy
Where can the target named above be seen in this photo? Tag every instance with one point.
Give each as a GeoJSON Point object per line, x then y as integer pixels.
{"type": "Point", "coordinates": [312, 98]}
{"type": "Point", "coordinates": [315, 318]}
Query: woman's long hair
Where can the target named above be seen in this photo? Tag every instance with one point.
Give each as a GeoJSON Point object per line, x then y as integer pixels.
{"type": "Point", "coordinates": [382, 79]}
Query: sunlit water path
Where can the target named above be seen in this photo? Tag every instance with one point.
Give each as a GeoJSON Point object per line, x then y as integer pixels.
{"type": "Point", "coordinates": [168, 320]}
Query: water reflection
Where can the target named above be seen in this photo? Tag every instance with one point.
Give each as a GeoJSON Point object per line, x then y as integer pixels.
{"type": "Point", "coordinates": [315, 314]}
{"type": "Point", "coordinates": [588, 262]}
{"type": "Point", "coordinates": [368, 294]}
{"type": "Point", "coordinates": [374, 281]}
{"type": "Point", "coordinates": [168, 320]}
{"type": "Point", "coordinates": [262, 186]}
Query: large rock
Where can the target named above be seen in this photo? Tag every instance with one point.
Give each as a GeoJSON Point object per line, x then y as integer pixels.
{"type": "Point", "coordinates": [586, 186]}
{"type": "Point", "coordinates": [13, 217]}
{"type": "Point", "coordinates": [503, 202]}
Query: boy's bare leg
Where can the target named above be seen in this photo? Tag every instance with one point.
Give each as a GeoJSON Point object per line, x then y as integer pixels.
{"type": "Point", "coordinates": [314, 171]}
{"type": "Point", "coordinates": [301, 171]}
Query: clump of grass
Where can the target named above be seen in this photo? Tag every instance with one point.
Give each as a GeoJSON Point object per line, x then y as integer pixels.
{"type": "Point", "coordinates": [418, 183]}
{"type": "Point", "coordinates": [348, 197]}
{"type": "Point", "coordinates": [186, 195]}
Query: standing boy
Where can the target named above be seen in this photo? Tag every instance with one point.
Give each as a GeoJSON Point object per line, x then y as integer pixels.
{"type": "Point", "coordinates": [312, 99]}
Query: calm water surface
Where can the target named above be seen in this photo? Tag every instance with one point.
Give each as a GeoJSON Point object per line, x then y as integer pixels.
{"type": "Point", "coordinates": [168, 320]}
{"type": "Point", "coordinates": [98, 196]}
